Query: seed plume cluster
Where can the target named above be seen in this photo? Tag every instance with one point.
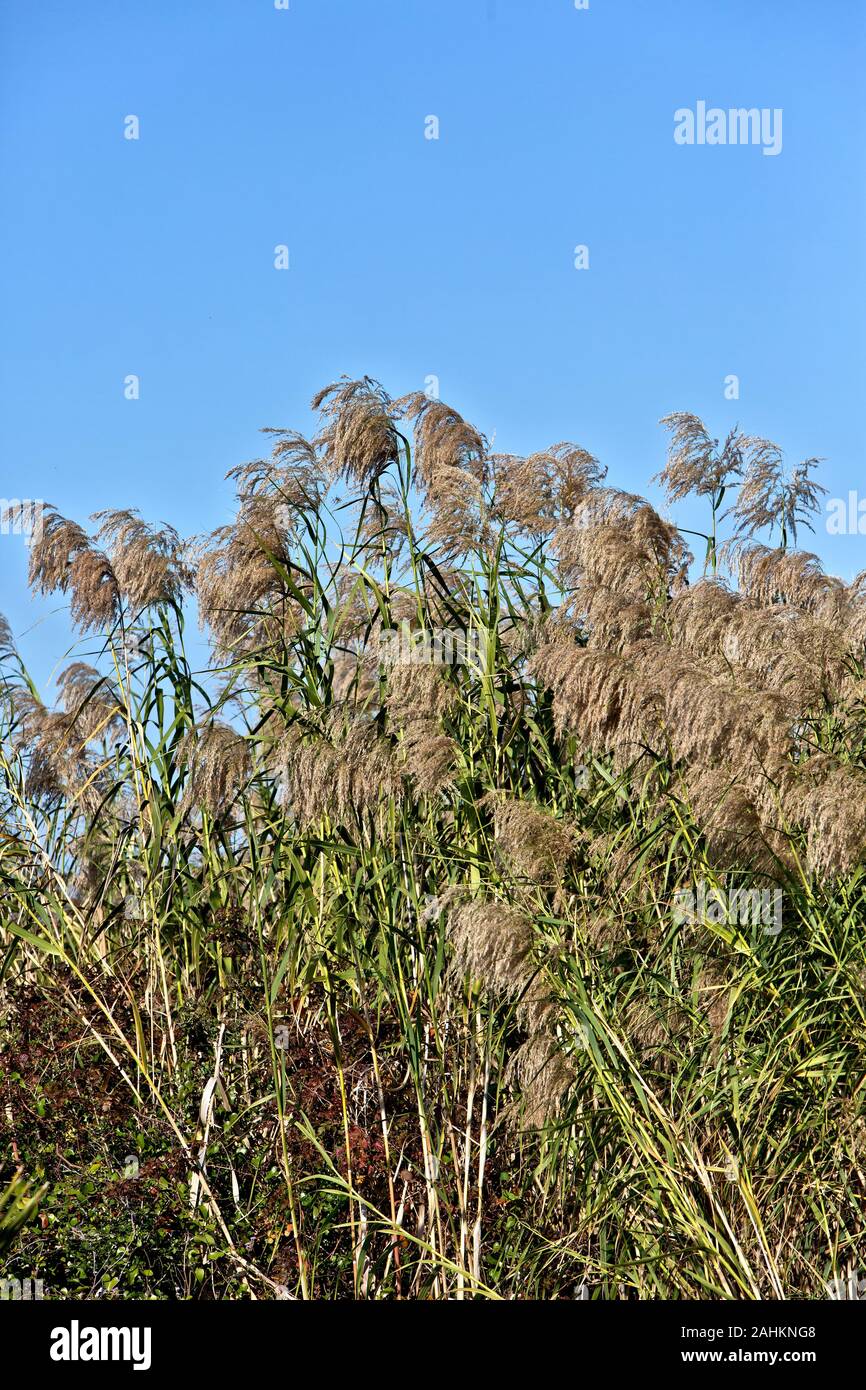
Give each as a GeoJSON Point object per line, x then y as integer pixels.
{"type": "Point", "coordinates": [452, 467]}
{"type": "Point", "coordinates": [66, 745]}
{"type": "Point", "coordinates": [358, 439]}
{"type": "Point", "coordinates": [417, 699]}
{"type": "Point", "coordinates": [537, 493]}
{"type": "Point", "coordinates": [345, 772]}
{"type": "Point", "coordinates": [219, 763]}
{"type": "Point", "coordinates": [696, 464]}
{"type": "Point", "coordinates": [495, 944]}
{"type": "Point", "coordinates": [535, 842]}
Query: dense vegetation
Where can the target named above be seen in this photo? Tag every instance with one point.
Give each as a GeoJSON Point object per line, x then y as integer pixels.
{"type": "Point", "coordinates": [363, 967]}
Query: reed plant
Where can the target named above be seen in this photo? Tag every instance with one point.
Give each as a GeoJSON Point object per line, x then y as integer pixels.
{"type": "Point", "coordinates": [325, 974]}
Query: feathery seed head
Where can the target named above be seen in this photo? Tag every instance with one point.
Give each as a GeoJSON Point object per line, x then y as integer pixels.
{"type": "Point", "coordinates": [696, 464]}
{"type": "Point", "coordinates": [359, 439]}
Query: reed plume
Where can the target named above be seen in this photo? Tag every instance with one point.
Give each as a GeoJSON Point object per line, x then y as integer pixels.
{"type": "Point", "coordinates": [736, 834]}
{"type": "Point", "coordinates": [56, 742]}
{"type": "Point", "coordinates": [495, 943]}
{"type": "Point", "coordinates": [443, 439]}
{"type": "Point", "coordinates": [597, 695]}
{"type": "Point", "coordinates": [64, 560]}
{"type": "Point", "coordinates": [652, 700]}
{"type": "Point", "coordinates": [773, 576]}
{"type": "Point", "coordinates": [827, 799]}
{"type": "Point", "coordinates": [452, 468]}
{"type": "Point", "coordinates": [619, 542]}
{"type": "Point", "coordinates": [344, 770]}
{"type": "Point", "coordinates": [537, 493]}
{"type": "Point", "coordinates": [7, 641]}
{"type": "Point", "coordinates": [219, 765]}
{"type": "Point", "coordinates": [294, 476]}
{"type": "Point", "coordinates": [147, 562]}
{"type": "Point", "coordinates": [769, 498]}
{"type": "Point", "coordinates": [611, 621]}
{"type": "Point", "coordinates": [417, 698]}
{"type": "Point", "coordinates": [359, 439]}
{"type": "Point", "coordinates": [534, 843]}
{"type": "Point", "coordinates": [695, 463]}
{"type": "Point", "coordinates": [545, 1075]}
{"type": "Point", "coordinates": [241, 595]}
{"type": "Point", "coordinates": [707, 719]}
{"type": "Point", "coordinates": [778, 646]}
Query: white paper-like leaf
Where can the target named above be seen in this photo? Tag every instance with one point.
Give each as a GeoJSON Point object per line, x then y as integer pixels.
{"type": "Point", "coordinates": [206, 1098]}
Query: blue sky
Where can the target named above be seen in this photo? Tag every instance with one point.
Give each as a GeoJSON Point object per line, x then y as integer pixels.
{"type": "Point", "coordinates": [412, 257]}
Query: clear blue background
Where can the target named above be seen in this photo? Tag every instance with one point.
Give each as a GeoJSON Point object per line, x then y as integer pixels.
{"type": "Point", "coordinates": [412, 257]}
